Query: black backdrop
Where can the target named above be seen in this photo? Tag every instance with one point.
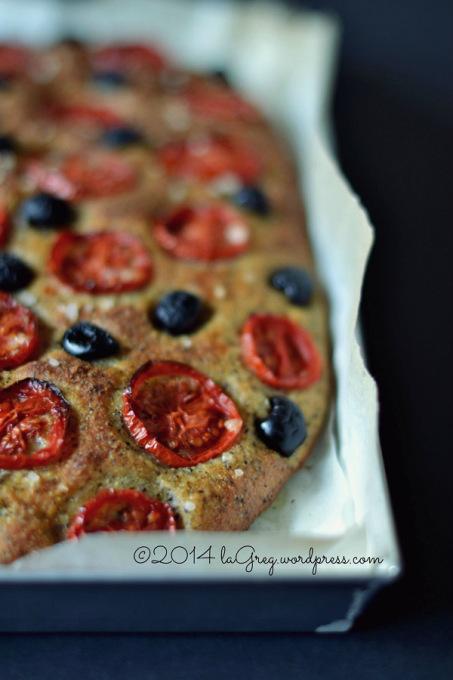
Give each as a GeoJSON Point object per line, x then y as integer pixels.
{"type": "Point", "coordinates": [394, 121]}
{"type": "Point", "coordinates": [393, 114]}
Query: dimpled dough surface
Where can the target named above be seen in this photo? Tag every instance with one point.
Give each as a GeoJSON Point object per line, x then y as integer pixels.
{"type": "Point", "coordinates": [227, 492]}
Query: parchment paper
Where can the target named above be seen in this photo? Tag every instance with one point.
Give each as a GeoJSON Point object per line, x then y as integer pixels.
{"type": "Point", "coordinates": [285, 62]}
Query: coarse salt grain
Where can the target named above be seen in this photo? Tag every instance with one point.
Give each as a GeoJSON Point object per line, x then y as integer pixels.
{"type": "Point", "coordinates": [189, 506]}
{"type": "Point", "coordinates": [186, 342]}
{"type": "Point", "coordinates": [238, 472]}
{"type": "Point", "coordinates": [236, 234]}
{"type": "Point", "coordinates": [219, 292]}
{"type": "Point", "coordinates": [227, 457]}
{"type": "Point", "coordinates": [27, 298]}
{"type": "Point", "coordinates": [71, 311]}
{"type": "Point", "coordinates": [32, 478]}
{"type": "Point", "coordinates": [226, 184]}
{"type": "Point", "coordinates": [54, 362]}
{"type": "Point", "coordinates": [233, 425]}
{"type": "Point", "coordinates": [106, 305]}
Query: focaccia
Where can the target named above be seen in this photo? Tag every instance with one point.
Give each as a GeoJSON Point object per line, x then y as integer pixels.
{"type": "Point", "coordinates": [164, 341]}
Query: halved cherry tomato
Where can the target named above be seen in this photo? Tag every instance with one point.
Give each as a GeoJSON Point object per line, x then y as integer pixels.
{"type": "Point", "coordinates": [93, 175]}
{"type": "Point", "coordinates": [210, 157]}
{"type": "Point", "coordinates": [84, 114]}
{"type": "Point", "coordinates": [14, 60]}
{"type": "Point", "coordinates": [219, 102]}
{"type": "Point", "coordinates": [101, 262]}
{"type": "Point", "coordinates": [34, 418]}
{"type": "Point", "coordinates": [122, 510]}
{"type": "Point", "coordinates": [206, 233]}
{"type": "Point", "coordinates": [125, 57]}
{"type": "Point", "coordinates": [279, 352]}
{"type": "Point", "coordinates": [179, 415]}
{"type": "Point", "coordinates": [4, 225]}
{"type": "Point", "coordinates": [18, 332]}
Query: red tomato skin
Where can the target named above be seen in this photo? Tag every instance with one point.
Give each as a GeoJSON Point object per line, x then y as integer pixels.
{"type": "Point", "coordinates": [29, 324]}
{"type": "Point", "coordinates": [150, 443]}
{"type": "Point", "coordinates": [60, 407]}
{"type": "Point", "coordinates": [85, 113]}
{"type": "Point", "coordinates": [223, 155]}
{"type": "Point", "coordinates": [14, 60]}
{"type": "Point", "coordinates": [205, 249]}
{"type": "Point", "coordinates": [4, 226]}
{"type": "Point", "coordinates": [123, 56]}
{"type": "Point", "coordinates": [75, 179]}
{"type": "Point", "coordinates": [62, 248]}
{"type": "Point", "coordinates": [78, 526]}
{"type": "Point", "coordinates": [302, 339]}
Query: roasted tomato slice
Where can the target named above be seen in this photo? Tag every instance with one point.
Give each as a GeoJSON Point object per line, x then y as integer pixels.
{"type": "Point", "coordinates": [205, 233]}
{"type": "Point", "coordinates": [4, 225]}
{"type": "Point", "coordinates": [125, 57]}
{"type": "Point", "coordinates": [279, 352]}
{"type": "Point", "coordinates": [179, 415]}
{"type": "Point", "coordinates": [14, 60]}
{"type": "Point", "coordinates": [92, 175]}
{"type": "Point", "coordinates": [101, 262]}
{"type": "Point", "coordinates": [18, 332]}
{"type": "Point", "coordinates": [206, 158]}
{"type": "Point", "coordinates": [84, 114]}
{"type": "Point", "coordinates": [219, 102]}
{"type": "Point", "coordinates": [122, 510]}
{"type": "Point", "coordinates": [34, 419]}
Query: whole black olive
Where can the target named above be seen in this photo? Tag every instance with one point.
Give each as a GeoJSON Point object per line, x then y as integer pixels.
{"type": "Point", "coordinates": [283, 429]}
{"type": "Point", "coordinates": [86, 341]}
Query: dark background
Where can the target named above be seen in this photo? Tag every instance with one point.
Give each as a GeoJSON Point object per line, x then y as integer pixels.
{"type": "Point", "coordinates": [393, 113]}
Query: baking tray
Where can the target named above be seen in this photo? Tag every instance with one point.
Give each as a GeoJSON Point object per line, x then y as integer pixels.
{"type": "Point", "coordinates": [286, 63]}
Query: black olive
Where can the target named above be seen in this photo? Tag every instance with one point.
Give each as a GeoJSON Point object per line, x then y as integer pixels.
{"type": "Point", "coordinates": [86, 341]}
{"type": "Point", "coordinates": [295, 283]}
{"type": "Point", "coordinates": [46, 211]}
{"type": "Point", "coordinates": [7, 144]}
{"type": "Point", "coordinates": [179, 312]}
{"type": "Point", "coordinates": [14, 273]}
{"type": "Point", "coordinates": [284, 429]}
{"type": "Point", "coordinates": [252, 198]}
{"type": "Point", "coordinates": [109, 79]}
{"type": "Point", "coordinates": [121, 136]}
{"type": "Point", "coordinates": [221, 76]}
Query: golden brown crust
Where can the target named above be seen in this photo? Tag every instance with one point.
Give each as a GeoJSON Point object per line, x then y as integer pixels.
{"type": "Point", "coordinates": [226, 493]}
